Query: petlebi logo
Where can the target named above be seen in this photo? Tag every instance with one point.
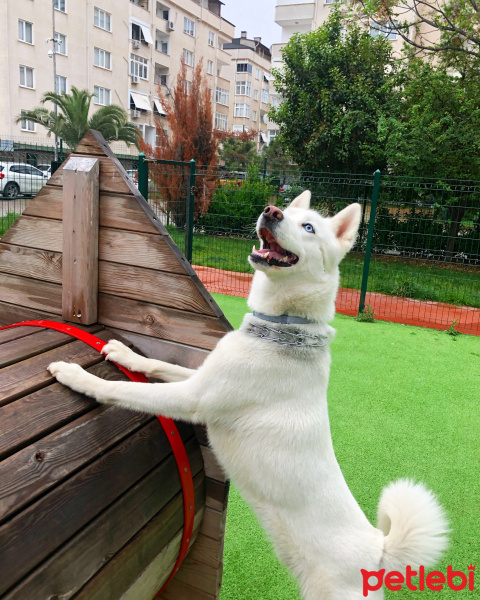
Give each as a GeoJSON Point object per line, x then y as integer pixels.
{"type": "Point", "coordinates": [435, 580]}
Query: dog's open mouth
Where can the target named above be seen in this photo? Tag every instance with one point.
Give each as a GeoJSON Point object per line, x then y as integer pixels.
{"type": "Point", "coordinates": [271, 252]}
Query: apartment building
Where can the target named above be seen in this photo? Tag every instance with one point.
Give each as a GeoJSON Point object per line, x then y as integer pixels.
{"type": "Point", "coordinates": [250, 73]}
{"type": "Point", "coordinates": [302, 16]}
{"type": "Point", "coordinates": [120, 50]}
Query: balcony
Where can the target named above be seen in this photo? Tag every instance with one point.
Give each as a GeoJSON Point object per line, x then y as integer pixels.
{"type": "Point", "coordinates": [294, 13]}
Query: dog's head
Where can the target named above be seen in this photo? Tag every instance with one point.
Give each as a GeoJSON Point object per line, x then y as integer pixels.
{"type": "Point", "coordinates": [299, 240]}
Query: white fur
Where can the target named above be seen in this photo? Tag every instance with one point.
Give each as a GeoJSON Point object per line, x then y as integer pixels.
{"type": "Point", "coordinates": [265, 406]}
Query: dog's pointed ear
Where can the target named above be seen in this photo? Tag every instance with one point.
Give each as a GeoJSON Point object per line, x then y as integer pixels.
{"type": "Point", "coordinates": [345, 225]}
{"type": "Point", "coordinates": [302, 201]}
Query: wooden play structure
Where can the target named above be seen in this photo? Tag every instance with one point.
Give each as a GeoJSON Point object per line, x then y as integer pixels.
{"type": "Point", "coordinates": [91, 503]}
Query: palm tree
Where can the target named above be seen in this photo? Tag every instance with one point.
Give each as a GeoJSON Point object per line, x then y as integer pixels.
{"type": "Point", "coordinates": [72, 122]}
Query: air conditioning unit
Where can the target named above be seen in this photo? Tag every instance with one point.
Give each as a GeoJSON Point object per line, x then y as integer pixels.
{"type": "Point", "coordinates": [134, 78]}
{"type": "Point", "coordinates": [170, 26]}
{"type": "Point", "coordinates": [136, 44]}
{"type": "Point", "coordinates": [135, 114]}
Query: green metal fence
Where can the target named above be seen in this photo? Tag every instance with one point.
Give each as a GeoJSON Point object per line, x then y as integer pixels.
{"type": "Point", "coordinates": [416, 259]}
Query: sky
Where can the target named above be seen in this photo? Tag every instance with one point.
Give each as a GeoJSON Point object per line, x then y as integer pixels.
{"type": "Point", "coordinates": [256, 17]}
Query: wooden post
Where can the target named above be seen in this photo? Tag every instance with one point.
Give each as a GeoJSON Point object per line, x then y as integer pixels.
{"type": "Point", "coordinates": [80, 240]}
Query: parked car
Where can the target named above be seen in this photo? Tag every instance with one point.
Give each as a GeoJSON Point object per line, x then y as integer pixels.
{"type": "Point", "coordinates": [47, 169]}
{"type": "Point", "coordinates": [20, 179]}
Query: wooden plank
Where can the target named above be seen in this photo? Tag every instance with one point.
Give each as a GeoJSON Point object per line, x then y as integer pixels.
{"type": "Point", "coordinates": [35, 415]}
{"type": "Point", "coordinates": [139, 249]}
{"type": "Point", "coordinates": [213, 524]}
{"type": "Point", "coordinates": [160, 533]}
{"type": "Point", "coordinates": [28, 376]}
{"type": "Point", "coordinates": [33, 471]}
{"type": "Point", "coordinates": [157, 321]}
{"type": "Point", "coordinates": [30, 262]}
{"type": "Point", "coordinates": [213, 469]}
{"type": "Point", "coordinates": [30, 537]}
{"type": "Point", "coordinates": [116, 210]}
{"type": "Point", "coordinates": [204, 577]}
{"type": "Point", "coordinates": [147, 285]}
{"type": "Point", "coordinates": [177, 354]}
{"type": "Point", "coordinates": [25, 347]}
{"type": "Point", "coordinates": [92, 145]}
{"type": "Point", "coordinates": [80, 239]}
{"type": "Point", "coordinates": [150, 581]}
{"type": "Point", "coordinates": [31, 293]}
{"type": "Point", "coordinates": [14, 313]}
{"type": "Point", "coordinates": [177, 590]}
{"type": "Point", "coordinates": [217, 494]}
{"type": "Point", "coordinates": [32, 232]}
{"type": "Point", "coordinates": [7, 335]}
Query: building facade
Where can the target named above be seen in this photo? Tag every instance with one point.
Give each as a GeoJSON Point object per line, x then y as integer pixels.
{"type": "Point", "coordinates": [119, 50]}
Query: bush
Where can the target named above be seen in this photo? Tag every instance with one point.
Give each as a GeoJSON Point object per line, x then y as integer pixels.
{"type": "Point", "coordinates": [235, 206]}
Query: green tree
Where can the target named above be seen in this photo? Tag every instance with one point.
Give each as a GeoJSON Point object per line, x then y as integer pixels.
{"type": "Point", "coordinates": [447, 29]}
{"type": "Point", "coordinates": [238, 152]}
{"type": "Point", "coordinates": [335, 86]}
{"type": "Point", "coordinates": [277, 158]}
{"type": "Point", "coordinates": [72, 121]}
{"type": "Point", "coordinates": [434, 132]}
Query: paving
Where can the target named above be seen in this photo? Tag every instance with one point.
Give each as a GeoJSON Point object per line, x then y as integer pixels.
{"type": "Point", "coordinates": [435, 315]}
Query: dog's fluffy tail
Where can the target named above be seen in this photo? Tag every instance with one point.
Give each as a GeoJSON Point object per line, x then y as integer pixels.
{"type": "Point", "coordinates": [414, 524]}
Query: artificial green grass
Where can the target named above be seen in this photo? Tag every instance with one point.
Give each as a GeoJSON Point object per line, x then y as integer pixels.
{"type": "Point", "coordinates": [403, 402]}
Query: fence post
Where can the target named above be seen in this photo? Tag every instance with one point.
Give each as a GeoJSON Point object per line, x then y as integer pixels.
{"type": "Point", "coordinates": [190, 212]}
{"type": "Point", "coordinates": [143, 175]}
{"type": "Point", "coordinates": [368, 249]}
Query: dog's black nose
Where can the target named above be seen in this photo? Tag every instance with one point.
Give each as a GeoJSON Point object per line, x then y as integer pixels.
{"type": "Point", "coordinates": [272, 212]}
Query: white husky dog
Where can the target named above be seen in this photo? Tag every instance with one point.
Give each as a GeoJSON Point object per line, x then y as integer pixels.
{"type": "Point", "coordinates": [263, 395]}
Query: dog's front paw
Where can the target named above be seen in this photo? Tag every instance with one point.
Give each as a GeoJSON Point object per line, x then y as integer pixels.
{"type": "Point", "coordinates": [71, 375]}
{"type": "Point", "coordinates": [120, 354]}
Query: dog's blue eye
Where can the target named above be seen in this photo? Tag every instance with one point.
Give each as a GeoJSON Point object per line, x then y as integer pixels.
{"type": "Point", "coordinates": [308, 228]}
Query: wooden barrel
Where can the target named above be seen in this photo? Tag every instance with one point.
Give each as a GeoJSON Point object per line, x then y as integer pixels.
{"type": "Point", "coordinates": [91, 503]}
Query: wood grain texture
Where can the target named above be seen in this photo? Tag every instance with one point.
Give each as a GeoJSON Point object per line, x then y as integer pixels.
{"type": "Point", "coordinates": [157, 287]}
{"type": "Point", "coordinates": [33, 471]}
{"type": "Point", "coordinates": [44, 234]}
{"type": "Point", "coordinates": [157, 321]}
{"type": "Point", "coordinates": [31, 293]}
{"type": "Point", "coordinates": [212, 466]}
{"type": "Point", "coordinates": [30, 262]}
{"type": "Point", "coordinates": [30, 537]}
{"type": "Point", "coordinates": [25, 347]}
{"type": "Point", "coordinates": [14, 313]}
{"type": "Point", "coordinates": [124, 568]}
{"type": "Point", "coordinates": [80, 239]}
{"type": "Point", "coordinates": [177, 590]}
{"type": "Point", "coordinates": [110, 177]}
{"type": "Point", "coordinates": [7, 335]}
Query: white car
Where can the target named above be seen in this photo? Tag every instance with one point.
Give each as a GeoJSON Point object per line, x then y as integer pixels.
{"type": "Point", "coordinates": [20, 179]}
{"type": "Point", "coordinates": [46, 169]}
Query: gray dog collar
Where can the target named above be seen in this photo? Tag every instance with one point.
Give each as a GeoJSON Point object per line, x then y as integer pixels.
{"type": "Point", "coordinates": [283, 319]}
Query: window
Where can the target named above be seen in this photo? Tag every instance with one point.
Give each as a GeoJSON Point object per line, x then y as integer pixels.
{"type": "Point", "coordinates": [162, 46]}
{"type": "Point", "coordinates": [257, 73]}
{"type": "Point", "coordinates": [239, 128]}
{"type": "Point", "coordinates": [26, 77]}
{"type": "Point", "coordinates": [265, 96]}
{"type": "Point", "coordinates": [331, 1]}
{"type": "Point", "coordinates": [221, 122]}
{"type": "Point", "coordinates": [25, 31]}
{"type": "Point", "coordinates": [60, 84]}
{"type": "Point", "coordinates": [163, 11]}
{"type": "Point", "coordinates": [102, 58]}
{"type": "Point", "coordinates": [141, 3]}
{"type": "Point", "coordinates": [220, 43]}
{"type": "Point", "coordinates": [255, 95]}
{"type": "Point", "coordinates": [210, 67]}
{"type": "Point", "coordinates": [27, 125]}
{"type": "Point", "coordinates": [254, 115]}
{"type": "Point", "coordinates": [188, 26]}
{"type": "Point", "coordinates": [244, 68]}
{"type": "Point", "coordinates": [386, 31]}
{"type": "Point", "coordinates": [59, 5]}
{"type": "Point", "coordinates": [61, 43]}
{"type": "Point", "coordinates": [242, 110]}
{"type": "Point", "coordinates": [272, 134]}
{"type": "Point", "coordinates": [186, 86]}
{"type": "Point", "coordinates": [101, 95]}
{"type": "Point", "coordinates": [211, 38]}
{"type": "Point", "coordinates": [243, 88]}
{"type": "Point", "coordinates": [102, 19]}
{"type": "Point", "coordinates": [221, 96]}
{"type": "Point", "coordinates": [138, 66]}
{"type": "Point", "coordinates": [188, 57]}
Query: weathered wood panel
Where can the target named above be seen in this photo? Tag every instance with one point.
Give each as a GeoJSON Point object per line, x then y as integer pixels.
{"type": "Point", "coordinates": [32, 232]}
{"type": "Point", "coordinates": [30, 537]}
{"type": "Point", "coordinates": [25, 347]}
{"type": "Point", "coordinates": [7, 335]}
{"type": "Point", "coordinates": [111, 179]}
{"type": "Point", "coordinates": [130, 562]}
{"type": "Point", "coordinates": [80, 240]}
{"type": "Point", "coordinates": [157, 321]}
{"type": "Point", "coordinates": [31, 293]}
{"type": "Point", "coordinates": [156, 287]}
{"type": "Point", "coordinates": [212, 466]}
{"type": "Point", "coordinates": [45, 463]}
{"type": "Point", "coordinates": [30, 262]}
{"type": "Point", "coordinates": [14, 313]}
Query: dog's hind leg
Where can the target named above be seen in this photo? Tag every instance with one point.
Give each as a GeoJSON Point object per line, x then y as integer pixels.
{"type": "Point", "coordinates": [121, 354]}
{"type": "Point", "coordinates": [315, 584]}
